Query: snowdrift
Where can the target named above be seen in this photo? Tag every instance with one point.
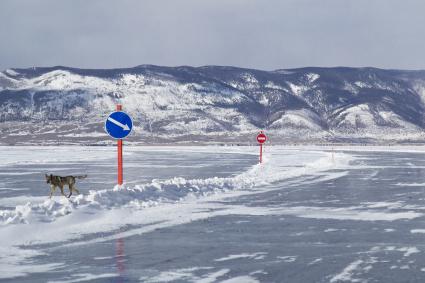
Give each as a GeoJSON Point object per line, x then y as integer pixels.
{"type": "Point", "coordinates": [172, 190]}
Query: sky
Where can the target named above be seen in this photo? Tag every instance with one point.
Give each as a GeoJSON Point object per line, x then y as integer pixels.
{"type": "Point", "coordinates": [261, 34]}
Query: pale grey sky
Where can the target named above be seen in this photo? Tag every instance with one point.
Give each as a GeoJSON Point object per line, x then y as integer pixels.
{"type": "Point", "coordinates": [263, 34]}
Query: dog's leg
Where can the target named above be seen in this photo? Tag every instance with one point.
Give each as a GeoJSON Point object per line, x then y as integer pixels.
{"type": "Point", "coordinates": [61, 187]}
{"type": "Point", "coordinates": [70, 186]}
{"type": "Point", "coordinates": [75, 189]}
{"type": "Point", "coordinates": [52, 190]}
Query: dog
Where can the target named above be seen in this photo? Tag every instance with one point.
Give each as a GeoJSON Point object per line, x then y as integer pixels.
{"type": "Point", "coordinates": [59, 181]}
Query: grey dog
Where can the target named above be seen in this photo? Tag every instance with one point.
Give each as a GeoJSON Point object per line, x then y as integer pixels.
{"type": "Point", "coordinates": [59, 181]}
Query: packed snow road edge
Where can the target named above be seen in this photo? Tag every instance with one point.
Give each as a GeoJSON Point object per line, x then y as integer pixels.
{"type": "Point", "coordinates": [168, 191]}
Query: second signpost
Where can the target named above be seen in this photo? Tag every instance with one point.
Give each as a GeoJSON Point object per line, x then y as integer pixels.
{"type": "Point", "coordinates": [261, 138]}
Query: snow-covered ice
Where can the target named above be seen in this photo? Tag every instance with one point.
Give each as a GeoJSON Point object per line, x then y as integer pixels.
{"type": "Point", "coordinates": [212, 214]}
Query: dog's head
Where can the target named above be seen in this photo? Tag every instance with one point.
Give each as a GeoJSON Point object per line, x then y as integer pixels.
{"type": "Point", "coordinates": [48, 178]}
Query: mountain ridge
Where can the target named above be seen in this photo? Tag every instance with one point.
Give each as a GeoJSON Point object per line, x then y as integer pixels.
{"type": "Point", "coordinates": [213, 104]}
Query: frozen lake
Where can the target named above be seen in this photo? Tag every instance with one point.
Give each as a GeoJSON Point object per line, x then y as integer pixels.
{"type": "Point", "coordinates": [210, 214]}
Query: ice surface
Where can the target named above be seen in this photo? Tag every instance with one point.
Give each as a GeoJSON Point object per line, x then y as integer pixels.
{"type": "Point", "coordinates": [158, 191]}
{"type": "Point", "coordinates": [159, 203]}
{"type": "Point", "coordinates": [337, 220]}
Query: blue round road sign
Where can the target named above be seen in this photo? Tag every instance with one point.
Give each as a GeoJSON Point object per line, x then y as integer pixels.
{"type": "Point", "coordinates": [118, 125]}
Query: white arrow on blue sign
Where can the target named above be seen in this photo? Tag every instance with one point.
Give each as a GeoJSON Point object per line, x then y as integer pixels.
{"type": "Point", "coordinates": [118, 125]}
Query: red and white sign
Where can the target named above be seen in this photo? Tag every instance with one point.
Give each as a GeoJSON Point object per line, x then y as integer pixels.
{"type": "Point", "coordinates": [261, 138]}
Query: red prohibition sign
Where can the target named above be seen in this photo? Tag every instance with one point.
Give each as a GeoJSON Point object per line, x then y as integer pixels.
{"type": "Point", "coordinates": [261, 138]}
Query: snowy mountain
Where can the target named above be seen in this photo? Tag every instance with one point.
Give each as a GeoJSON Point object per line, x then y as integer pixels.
{"type": "Point", "coordinates": [213, 104]}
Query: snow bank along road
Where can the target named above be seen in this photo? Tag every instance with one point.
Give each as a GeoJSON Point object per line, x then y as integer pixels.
{"type": "Point", "coordinates": [210, 214]}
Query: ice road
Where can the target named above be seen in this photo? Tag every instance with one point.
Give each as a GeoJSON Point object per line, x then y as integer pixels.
{"type": "Point", "coordinates": [212, 214]}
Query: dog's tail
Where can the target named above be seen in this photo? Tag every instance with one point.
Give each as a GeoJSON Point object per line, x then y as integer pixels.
{"type": "Point", "coordinates": [81, 177]}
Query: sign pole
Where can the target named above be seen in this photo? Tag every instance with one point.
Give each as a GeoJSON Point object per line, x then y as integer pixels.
{"type": "Point", "coordinates": [119, 147]}
{"type": "Point", "coordinates": [261, 138]}
{"type": "Point", "coordinates": [261, 152]}
{"type": "Point", "coordinates": [118, 125]}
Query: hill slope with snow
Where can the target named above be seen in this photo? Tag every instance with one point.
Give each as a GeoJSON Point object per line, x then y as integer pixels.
{"type": "Point", "coordinates": [213, 104]}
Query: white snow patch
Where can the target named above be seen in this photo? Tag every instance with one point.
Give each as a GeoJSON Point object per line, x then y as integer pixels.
{"type": "Point", "coordinates": [312, 77]}
{"type": "Point", "coordinates": [212, 277]}
{"type": "Point", "coordinates": [348, 272]}
{"type": "Point", "coordinates": [172, 275]}
{"type": "Point", "coordinates": [241, 279]}
{"type": "Point", "coordinates": [350, 88]}
{"type": "Point", "coordinates": [11, 72]}
{"type": "Point", "coordinates": [103, 257]}
{"type": "Point", "coordinates": [408, 251]}
{"type": "Point", "coordinates": [289, 258]}
{"type": "Point", "coordinates": [186, 274]}
{"type": "Point", "coordinates": [297, 89]}
{"type": "Point", "coordinates": [299, 119]}
{"type": "Point", "coordinates": [410, 184]}
{"type": "Point", "coordinates": [317, 260]}
{"type": "Point", "coordinates": [43, 155]}
{"type": "Point", "coordinates": [347, 213]}
{"type": "Point", "coordinates": [83, 277]}
{"type": "Point", "coordinates": [12, 257]}
{"type": "Point", "coordinates": [356, 116]}
{"type": "Point", "coordinates": [272, 85]}
{"type": "Point", "coordinates": [21, 200]}
{"type": "Point", "coordinates": [83, 134]}
{"type": "Point", "coordinates": [257, 256]}
{"type": "Point", "coordinates": [383, 204]}
{"type": "Point", "coordinates": [362, 84]}
{"type": "Point", "coordinates": [264, 100]}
